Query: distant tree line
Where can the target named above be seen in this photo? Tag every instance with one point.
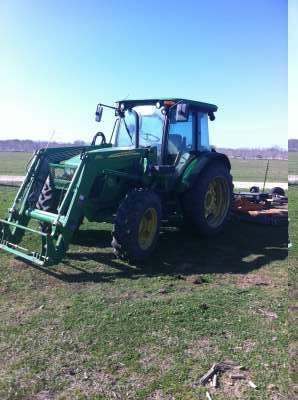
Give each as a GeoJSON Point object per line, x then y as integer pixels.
{"type": "Point", "coordinates": [293, 144]}
{"type": "Point", "coordinates": [272, 153]}
{"type": "Point", "coordinates": [30, 146]}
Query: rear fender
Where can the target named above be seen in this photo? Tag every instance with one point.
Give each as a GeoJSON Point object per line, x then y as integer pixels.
{"type": "Point", "coordinates": [197, 165]}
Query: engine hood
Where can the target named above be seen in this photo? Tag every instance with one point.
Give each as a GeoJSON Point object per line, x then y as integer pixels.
{"type": "Point", "coordinates": [107, 153]}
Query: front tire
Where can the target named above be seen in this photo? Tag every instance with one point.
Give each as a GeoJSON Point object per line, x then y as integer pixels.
{"type": "Point", "coordinates": [207, 205]}
{"type": "Point", "coordinates": [137, 225]}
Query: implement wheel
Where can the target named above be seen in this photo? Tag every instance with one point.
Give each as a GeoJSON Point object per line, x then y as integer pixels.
{"type": "Point", "coordinates": [208, 204]}
{"type": "Point", "coordinates": [137, 224]}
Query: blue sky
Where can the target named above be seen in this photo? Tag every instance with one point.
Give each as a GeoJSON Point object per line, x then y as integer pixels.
{"type": "Point", "coordinates": [60, 58]}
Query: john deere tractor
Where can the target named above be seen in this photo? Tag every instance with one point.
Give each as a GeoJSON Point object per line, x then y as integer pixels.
{"type": "Point", "coordinates": [156, 165]}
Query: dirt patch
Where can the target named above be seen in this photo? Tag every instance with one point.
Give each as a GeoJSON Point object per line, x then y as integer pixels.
{"type": "Point", "coordinates": [196, 279]}
{"type": "Point", "coordinates": [293, 392]}
{"type": "Point", "coordinates": [150, 358]}
{"type": "Point", "coordinates": [233, 388]}
{"type": "Point", "coordinates": [4, 289]}
{"type": "Point", "coordinates": [115, 296]}
{"type": "Point", "coordinates": [274, 393]}
{"type": "Point", "coordinates": [131, 295]}
{"type": "Point", "coordinates": [247, 281]}
{"type": "Point", "coordinates": [267, 314]}
{"type": "Point", "coordinates": [45, 395]}
{"type": "Point", "coordinates": [198, 348]}
{"type": "Point", "coordinates": [18, 265]}
{"type": "Point", "coordinates": [293, 292]}
{"type": "Point", "coordinates": [90, 383]}
{"type": "Point", "coordinates": [293, 309]}
{"type": "Point", "coordinates": [159, 395]}
{"type": "Point", "coordinates": [165, 338]}
{"type": "Point", "coordinates": [247, 346]}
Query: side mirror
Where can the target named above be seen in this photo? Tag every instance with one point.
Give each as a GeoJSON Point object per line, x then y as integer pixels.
{"type": "Point", "coordinates": [182, 112]}
{"type": "Point", "coordinates": [98, 113]}
{"type": "Point", "coordinates": [211, 116]}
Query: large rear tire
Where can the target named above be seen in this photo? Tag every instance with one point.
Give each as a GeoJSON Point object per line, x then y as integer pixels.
{"type": "Point", "coordinates": [137, 225]}
{"type": "Point", "coordinates": [47, 202]}
{"type": "Point", "coordinates": [207, 205]}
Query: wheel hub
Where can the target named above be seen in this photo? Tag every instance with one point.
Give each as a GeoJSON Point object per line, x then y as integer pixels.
{"type": "Point", "coordinates": [147, 228]}
{"type": "Point", "coordinates": [216, 202]}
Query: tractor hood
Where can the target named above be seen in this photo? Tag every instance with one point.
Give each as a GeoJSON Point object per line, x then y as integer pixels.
{"type": "Point", "coordinates": [110, 153]}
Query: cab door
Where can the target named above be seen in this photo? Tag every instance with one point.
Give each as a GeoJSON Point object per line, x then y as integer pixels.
{"type": "Point", "coordinates": [182, 140]}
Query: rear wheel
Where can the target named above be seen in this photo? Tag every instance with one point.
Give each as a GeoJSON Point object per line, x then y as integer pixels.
{"type": "Point", "coordinates": [207, 205]}
{"type": "Point", "coordinates": [46, 202]}
{"type": "Point", "coordinates": [137, 224]}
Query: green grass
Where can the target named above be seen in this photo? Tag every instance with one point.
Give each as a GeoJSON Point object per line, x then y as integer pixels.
{"type": "Point", "coordinates": [97, 328]}
{"type": "Point", "coordinates": [293, 284]}
{"type": "Point", "coordinates": [13, 162]}
{"type": "Point", "coordinates": [293, 163]}
{"type": "Point", "coordinates": [242, 170]}
{"type": "Point", "coordinates": [254, 170]}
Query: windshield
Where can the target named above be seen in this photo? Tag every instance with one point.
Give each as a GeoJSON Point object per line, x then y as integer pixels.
{"type": "Point", "coordinates": [151, 122]}
{"type": "Point", "coordinates": [126, 133]}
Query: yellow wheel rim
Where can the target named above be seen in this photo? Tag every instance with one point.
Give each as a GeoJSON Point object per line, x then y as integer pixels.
{"type": "Point", "coordinates": [147, 228]}
{"type": "Point", "coordinates": [217, 202]}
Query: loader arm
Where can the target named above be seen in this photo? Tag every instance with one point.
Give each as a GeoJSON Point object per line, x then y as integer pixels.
{"type": "Point", "coordinates": [64, 222]}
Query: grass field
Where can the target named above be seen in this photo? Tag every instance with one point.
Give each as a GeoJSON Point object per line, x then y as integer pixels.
{"type": "Point", "coordinates": [97, 328]}
{"type": "Point", "coordinates": [13, 163]}
{"type": "Point", "coordinates": [254, 170]}
{"type": "Point", "coordinates": [293, 284]}
{"type": "Point", "coordinates": [242, 170]}
{"type": "Point", "coordinates": [293, 163]}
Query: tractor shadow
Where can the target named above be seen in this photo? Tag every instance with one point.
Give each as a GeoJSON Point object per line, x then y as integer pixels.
{"type": "Point", "coordinates": [93, 238]}
{"type": "Point", "coordinates": [241, 248]}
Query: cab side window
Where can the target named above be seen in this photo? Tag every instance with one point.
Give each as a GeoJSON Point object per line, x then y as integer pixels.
{"type": "Point", "coordinates": [180, 138]}
{"type": "Point", "coordinates": [203, 133]}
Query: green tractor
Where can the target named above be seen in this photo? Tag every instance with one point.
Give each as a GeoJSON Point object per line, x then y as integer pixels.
{"type": "Point", "coordinates": [157, 164]}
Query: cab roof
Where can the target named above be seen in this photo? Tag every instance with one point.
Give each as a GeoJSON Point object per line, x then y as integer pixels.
{"type": "Point", "coordinates": [200, 106]}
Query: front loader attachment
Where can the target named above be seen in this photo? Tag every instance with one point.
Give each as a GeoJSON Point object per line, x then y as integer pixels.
{"type": "Point", "coordinates": [83, 181]}
{"type": "Point", "coordinates": [39, 258]}
{"type": "Point", "coordinates": [62, 224]}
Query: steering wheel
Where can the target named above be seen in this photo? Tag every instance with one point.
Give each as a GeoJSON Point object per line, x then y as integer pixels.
{"type": "Point", "coordinates": [147, 136]}
{"type": "Point", "coordinates": [103, 138]}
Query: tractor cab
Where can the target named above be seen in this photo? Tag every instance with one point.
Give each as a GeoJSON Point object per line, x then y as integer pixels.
{"type": "Point", "coordinates": [176, 127]}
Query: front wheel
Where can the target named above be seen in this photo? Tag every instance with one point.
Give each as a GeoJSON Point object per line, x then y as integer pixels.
{"type": "Point", "coordinates": [137, 224]}
{"type": "Point", "coordinates": [208, 204]}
